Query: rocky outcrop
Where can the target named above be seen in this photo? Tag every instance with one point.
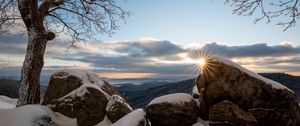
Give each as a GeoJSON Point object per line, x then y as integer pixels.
{"type": "Point", "coordinates": [270, 102]}
{"type": "Point", "coordinates": [84, 96]}
{"type": "Point", "coordinates": [88, 108]}
{"type": "Point", "coordinates": [116, 108]}
{"type": "Point", "coordinates": [228, 113]}
{"type": "Point", "coordinates": [177, 109]}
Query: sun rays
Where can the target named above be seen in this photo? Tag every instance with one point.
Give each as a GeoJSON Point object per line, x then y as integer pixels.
{"type": "Point", "coordinates": [201, 62]}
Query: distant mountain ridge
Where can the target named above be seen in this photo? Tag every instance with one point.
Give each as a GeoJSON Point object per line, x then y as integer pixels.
{"type": "Point", "coordinates": [140, 95]}
{"type": "Point", "coordinates": [10, 88]}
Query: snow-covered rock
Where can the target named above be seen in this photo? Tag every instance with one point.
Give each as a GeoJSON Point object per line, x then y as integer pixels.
{"type": "Point", "coordinates": [227, 62]}
{"type": "Point", "coordinates": [134, 118]}
{"type": "Point", "coordinates": [176, 98]}
{"type": "Point", "coordinates": [33, 115]}
{"type": "Point", "coordinates": [82, 95]}
{"type": "Point", "coordinates": [266, 99]}
{"type": "Point", "coordinates": [195, 92]}
{"type": "Point", "coordinates": [177, 109]}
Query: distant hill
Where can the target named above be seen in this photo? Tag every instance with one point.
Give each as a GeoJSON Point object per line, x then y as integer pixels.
{"type": "Point", "coordinates": [140, 95]}
{"type": "Point", "coordinates": [10, 88]}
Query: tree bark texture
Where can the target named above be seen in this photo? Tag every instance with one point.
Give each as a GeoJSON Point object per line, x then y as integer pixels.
{"type": "Point", "coordinates": [29, 91]}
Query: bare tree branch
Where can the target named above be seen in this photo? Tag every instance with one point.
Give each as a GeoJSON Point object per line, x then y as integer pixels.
{"type": "Point", "coordinates": [86, 17]}
{"type": "Point", "coordinates": [285, 10]}
{"type": "Point", "coordinates": [80, 19]}
{"type": "Point", "coordinates": [8, 15]}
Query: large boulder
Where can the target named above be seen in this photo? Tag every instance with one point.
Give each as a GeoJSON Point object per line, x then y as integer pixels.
{"type": "Point", "coordinates": [270, 102]}
{"type": "Point", "coordinates": [177, 109]}
{"type": "Point", "coordinates": [82, 95]}
{"type": "Point", "coordinates": [116, 108]}
{"type": "Point", "coordinates": [228, 113]}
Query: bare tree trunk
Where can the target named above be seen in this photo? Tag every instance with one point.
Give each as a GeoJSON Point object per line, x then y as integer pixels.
{"type": "Point", "coordinates": [29, 92]}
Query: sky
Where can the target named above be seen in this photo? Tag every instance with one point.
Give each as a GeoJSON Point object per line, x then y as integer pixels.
{"type": "Point", "coordinates": [159, 41]}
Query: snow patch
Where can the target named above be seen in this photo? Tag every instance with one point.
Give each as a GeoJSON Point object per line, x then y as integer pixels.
{"type": "Point", "coordinates": [112, 101]}
{"type": "Point", "coordinates": [8, 99]}
{"type": "Point", "coordinates": [85, 75]}
{"type": "Point", "coordinates": [7, 103]}
{"type": "Point", "coordinates": [201, 122]}
{"type": "Point", "coordinates": [89, 80]}
{"type": "Point", "coordinates": [64, 120]}
{"type": "Point", "coordinates": [195, 90]}
{"type": "Point", "coordinates": [274, 84]}
{"type": "Point", "coordinates": [176, 98]}
{"type": "Point", "coordinates": [32, 115]}
{"type": "Point", "coordinates": [104, 122]}
{"type": "Point", "coordinates": [79, 92]}
{"type": "Point", "coordinates": [131, 119]}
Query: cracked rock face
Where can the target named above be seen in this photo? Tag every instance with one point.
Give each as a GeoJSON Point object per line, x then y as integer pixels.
{"type": "Point", "coordinates": [228, 113]}
{"type": "Point", "coordinates": [116, 108]}
{"type": "Point", "coordinates": [269, 104]}
{"type": "Point", "coordinates": [84, 96]}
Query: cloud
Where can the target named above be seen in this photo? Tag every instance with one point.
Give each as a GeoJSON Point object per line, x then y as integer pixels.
{"type": "Point", "coordinates": [255, 50]}
{"type": "Point", "coordinates": [148, 48]}
{"type": "Point", "coordinates": [161, 58]}
{"type": "Point", "coordinates": [12, 44]}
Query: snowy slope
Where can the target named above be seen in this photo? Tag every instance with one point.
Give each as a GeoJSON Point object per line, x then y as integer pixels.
{"type": "Point", "coordinates": [8, 100]}
{"type": "Point", "coordinates": [131, 119]}
{"type": "Point", "coordinates": [30, 115]}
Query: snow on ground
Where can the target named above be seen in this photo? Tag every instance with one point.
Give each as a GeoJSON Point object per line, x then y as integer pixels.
{"type": "Point", "coordinates": [64, 120]}
{"type": "Point", "coordinates": [30, 115]}
{"type": "Point", "coordinates": [131, 119]}
{"type": "Point", "coordinates": [266, 80]}
{"type": "Point", "coordinates": [8, 100]}
{"type": "Point", "coordinates": [176, 98]}
{"type": "Point", "coordinates": [104, 122]}
{"type": "Point", "coordinates": [6, 105]}
{"type": "Point", "coordinates": [201, 122]}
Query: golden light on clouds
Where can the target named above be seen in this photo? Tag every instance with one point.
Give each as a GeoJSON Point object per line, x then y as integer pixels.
{"type": "Point", "coordinates": [126, 75]}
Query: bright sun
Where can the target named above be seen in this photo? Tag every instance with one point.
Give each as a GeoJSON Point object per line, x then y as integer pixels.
{"type": "Point", "coordinates": [201, 62]}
